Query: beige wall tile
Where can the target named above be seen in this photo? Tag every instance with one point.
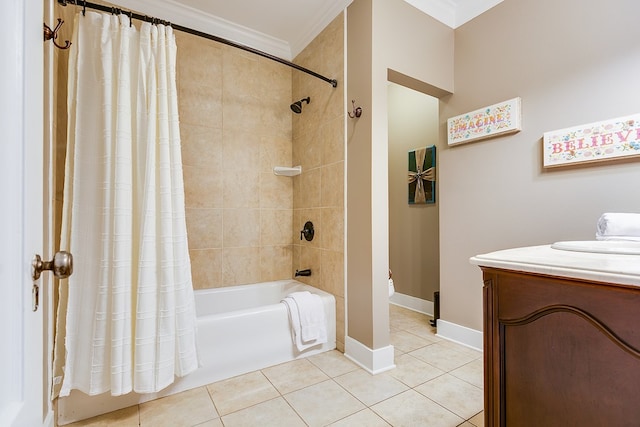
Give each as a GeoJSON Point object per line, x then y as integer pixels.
{"type": "Point", "coordinates": [198, 60]}
{"type": "Point", "coordinates": [204, 228]}
{"type": "Point", "coordinates": [276, 150]}
{"type": "Point", "coordinates": [240, 266]}
{"type": "Point", "coordinates": [333, 272]}
{"type": "Point", "coordinates": [241, 188]}
{"type": "Point", "coordinates": [201, 146]}
{"type": "Point", "coordinates": [333, 141]}
{"type": "Point", "coordinates": [311, 258]}
{"type": "Point", "coordinates": [307, 149]}
{"type": "Point", "coordinates": [297, 250]}
{"type": "Point", "coordinates": [332, 185]}
{"type": "Point", "coordinates": [276, 192]}
{"type": "Point", "coordinates": [275, 263]}
{"type": "Point", "coordinates": [241, 228]}
{"type": "Point", "coordinates": [206, 268]}
{"type": "Point", "coordinates": [202, 187]}
{"type": "Point", "coordinates": [333, 226]}
{"type": "Point", "coordinates": [199, 105]}
{"type": "Point", "coordinates": [275, 227]}
{"type": "Point", "coordinates": [310, 188]}
{"type": "Point", "coordinates": [240, 149]}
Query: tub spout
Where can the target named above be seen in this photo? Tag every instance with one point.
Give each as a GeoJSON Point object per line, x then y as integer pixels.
{"type": "Point", "coordinates": [306, 272]}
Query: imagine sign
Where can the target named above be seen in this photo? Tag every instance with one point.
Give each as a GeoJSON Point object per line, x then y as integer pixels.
{"type": "Point", "coordinates": [498, 119]}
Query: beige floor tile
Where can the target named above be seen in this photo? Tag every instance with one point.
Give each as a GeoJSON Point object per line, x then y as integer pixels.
{"type": "Point", "coordinates": [211, 423]}
{"type": "Point", "coordinates": [291, 376]}
{"type": "Point", "coordinates": [323, 403]}
{"type": "Point", "coordinates": [466, 424]}
{"type": "Point", "coordinates": [462, 348]}
{"type": "Point", "coordinates": [412, 371]}
{"type": "Point", "coordinates": [185, 409]}
{"type": "Point", "coordinates": [241, 392]}
{"type": "Point", "coordinates": [428, 334]}
{"type": "Point", "coordinates": [406, 319]}
{"type": "Point", "coordinates": [365, 417]}
{"type": "Point", "coordinates": [127, 417]}
{"type": "Point", "coordinates": [370, 389]}
{"type": "Point", "coordinates": [411, 409]}
{"type": "Point", "coordinates": [406, 341]}
{"type": "Point", "coordinates": [333, 363]}
{"type": "Point", "coordinates": [477, 420]}
{"type": "Point", "coordinates": [442, 356]}
{"type": "Point", "coordinates": [273, 413]}
{"type": "Point", "coordinates": [458, 396]}
{"type": "Point", "coordinates": [472, 372]}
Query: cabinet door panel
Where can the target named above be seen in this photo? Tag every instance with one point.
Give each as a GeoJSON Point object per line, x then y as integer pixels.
{"type": "Point", "coordinates": [561, 369]}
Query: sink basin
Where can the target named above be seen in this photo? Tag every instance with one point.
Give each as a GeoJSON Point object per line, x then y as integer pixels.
{"type": "Point", "coordinates": [600, 246]}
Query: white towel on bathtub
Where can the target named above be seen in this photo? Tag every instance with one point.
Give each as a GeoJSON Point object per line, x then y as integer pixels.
{"type": "Point", "coordinates": [307, 317]}
{"type": "Point", "coordinates": [618, 226]}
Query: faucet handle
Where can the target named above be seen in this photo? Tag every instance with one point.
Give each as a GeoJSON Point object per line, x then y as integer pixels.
{"type": "Point", "coordinates": [307, 231]}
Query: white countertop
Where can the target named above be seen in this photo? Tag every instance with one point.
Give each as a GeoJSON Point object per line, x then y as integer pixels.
{"type": "Point", "coordinates": [609, 268]}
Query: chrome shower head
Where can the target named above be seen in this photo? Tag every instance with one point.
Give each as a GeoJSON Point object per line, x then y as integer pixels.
{"type": "Point", "coordinates": [296, 107]}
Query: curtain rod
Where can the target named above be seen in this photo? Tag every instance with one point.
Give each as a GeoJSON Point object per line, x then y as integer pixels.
{"type": "Point", "coordinates": [132, 15]}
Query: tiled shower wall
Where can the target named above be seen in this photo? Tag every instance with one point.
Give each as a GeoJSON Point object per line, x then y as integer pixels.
{"type": "Point", "coordinates": [243, 221]}
{"type": "Point", "coordinates": [235, 125]}
{"type": "Point", "coordinates": [318, 145]}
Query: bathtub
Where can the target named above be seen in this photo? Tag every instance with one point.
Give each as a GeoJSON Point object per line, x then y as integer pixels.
{"type": "Point", "coordinates": [240, 329]}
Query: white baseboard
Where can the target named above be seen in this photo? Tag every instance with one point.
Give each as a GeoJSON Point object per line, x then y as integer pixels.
{"type": "Point", "coordinates": [373, 361]}
{"type": "Point", "coordinates": [412, 303]}
{"type": "Point", "coordinates": [460, 334]}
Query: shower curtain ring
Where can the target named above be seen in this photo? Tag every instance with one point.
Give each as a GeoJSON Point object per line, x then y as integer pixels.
{"type": "Point", "coordinates": [84, 7]}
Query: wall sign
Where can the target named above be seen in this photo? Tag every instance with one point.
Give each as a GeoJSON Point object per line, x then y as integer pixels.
{"type": "Point", "coordinates": [605, 140]}
{"type": "Point", "coordinates": [494, 120]}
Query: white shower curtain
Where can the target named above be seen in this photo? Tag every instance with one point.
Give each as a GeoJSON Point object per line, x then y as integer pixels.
{"type": "Point", "coordinates": [130, 315]}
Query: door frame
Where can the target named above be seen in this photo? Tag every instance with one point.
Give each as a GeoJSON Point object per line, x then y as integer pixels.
{"type": "Point", "coordinates": [24, 397]}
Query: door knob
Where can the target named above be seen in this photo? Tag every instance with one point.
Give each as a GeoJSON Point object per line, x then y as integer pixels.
{"type": "Point", "coordinates": [61, 265]}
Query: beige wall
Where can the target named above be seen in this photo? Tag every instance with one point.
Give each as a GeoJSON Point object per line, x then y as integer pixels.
{"type": "Point", "coordinates": [413, 229]}
{"type": "Point", "coordinates": [571, 64]}
{"type": "Point", "coordinates": [318, 146]}
{"type": "Point", "coordinates": [386, 39]}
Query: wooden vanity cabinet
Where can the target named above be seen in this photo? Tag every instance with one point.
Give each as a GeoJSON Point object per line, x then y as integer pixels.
{"type": "Point", "coordinates": [560, 352]}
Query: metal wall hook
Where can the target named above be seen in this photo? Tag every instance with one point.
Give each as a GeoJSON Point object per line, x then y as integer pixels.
{"type": "Point", "coordinates": [52, 35]}
{"type": "Point", "coordinates": [357, 111]}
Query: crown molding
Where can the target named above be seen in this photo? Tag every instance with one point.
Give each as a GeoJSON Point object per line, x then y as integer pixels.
{"type": "Point", "coordinates": [453, 13]}
{"type": "Point", "coordinates": [334, 9]}
{"type": "Point", "coordinates": [186, 16]}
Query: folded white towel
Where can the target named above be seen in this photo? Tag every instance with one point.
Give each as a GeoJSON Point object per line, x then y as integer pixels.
{"type": "Point", "coordinates": [306, 314]}
{"type": "Point", "coordinates": [618, 226]}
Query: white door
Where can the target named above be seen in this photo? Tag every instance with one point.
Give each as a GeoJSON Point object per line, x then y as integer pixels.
{"type": "Point", "coordinates": [23, 400]}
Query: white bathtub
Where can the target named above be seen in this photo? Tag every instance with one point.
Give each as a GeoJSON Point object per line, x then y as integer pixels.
{"type": "Point", "coordinates": [240, 329]}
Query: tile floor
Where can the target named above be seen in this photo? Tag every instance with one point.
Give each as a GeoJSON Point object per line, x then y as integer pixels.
{"type": "Point", "coordinates": [435, 383]}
